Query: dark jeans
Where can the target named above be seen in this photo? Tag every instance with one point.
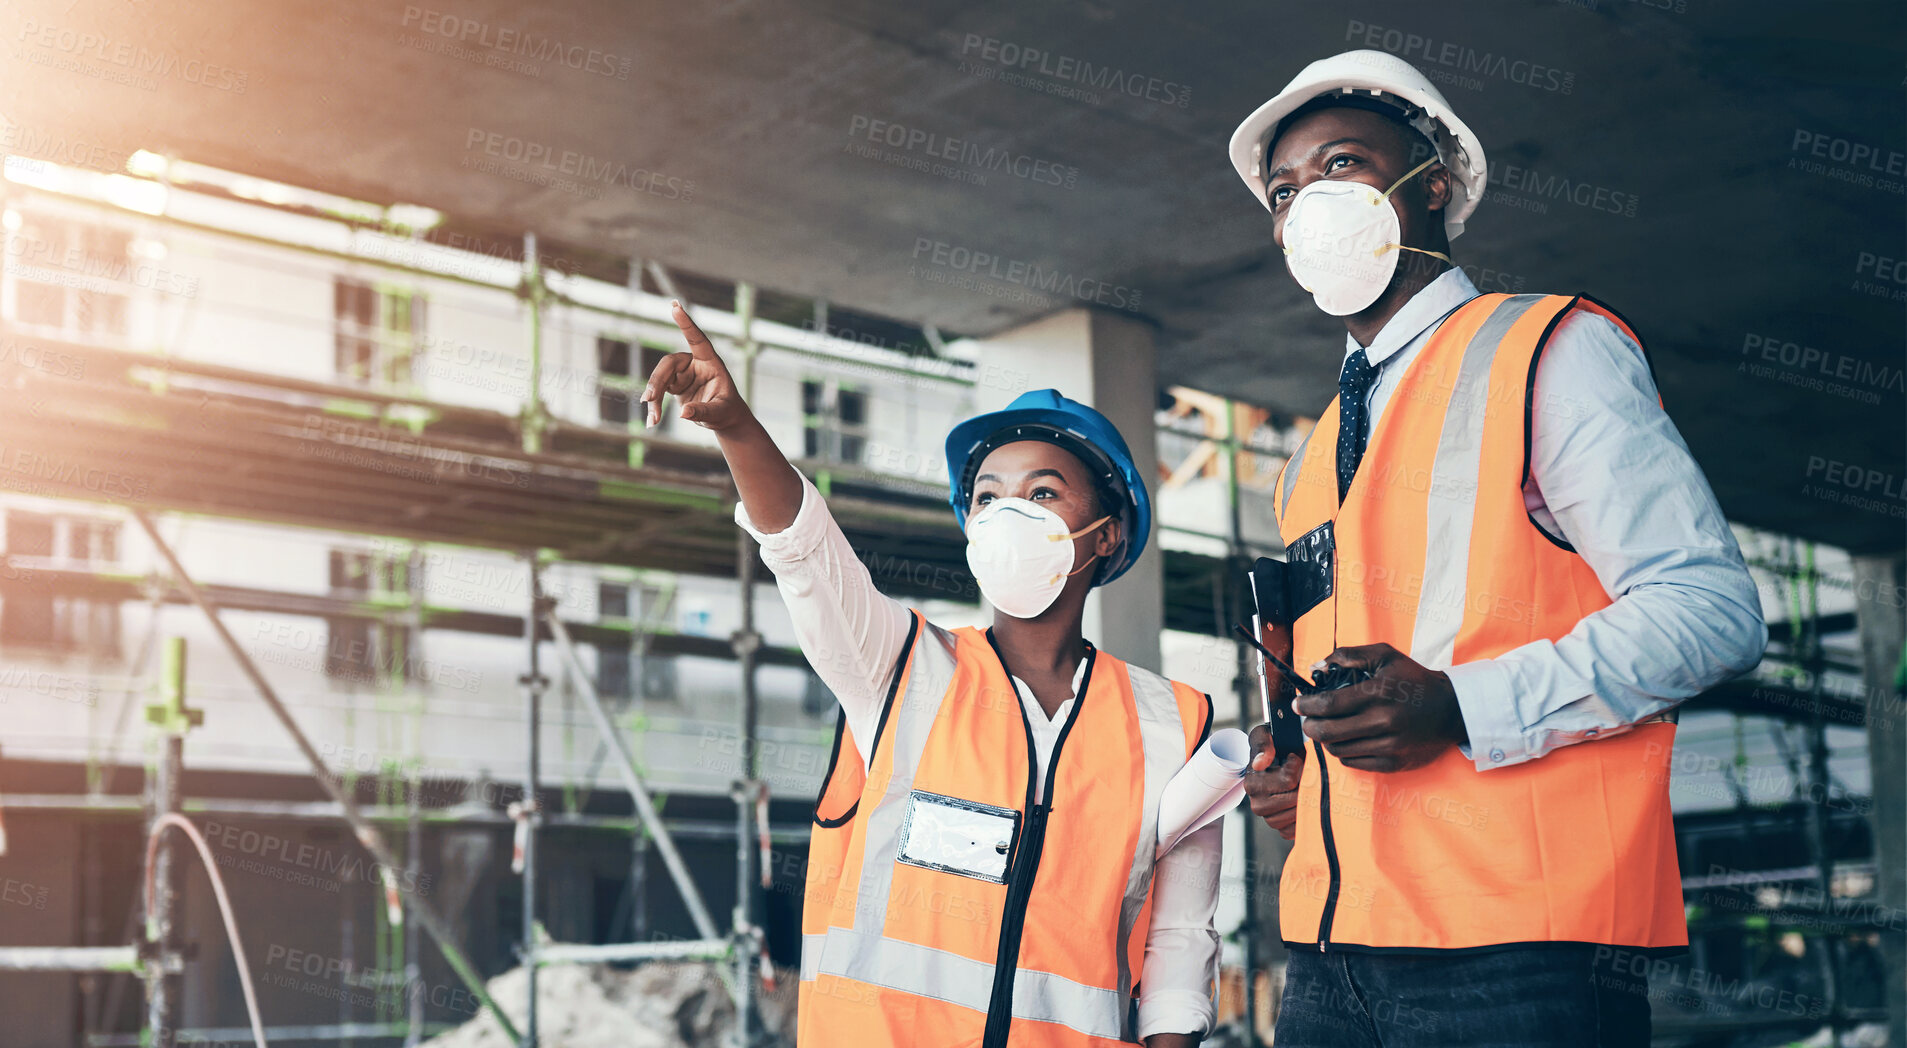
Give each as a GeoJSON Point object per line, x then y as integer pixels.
{"type": "Point", "coordinates": [1535, 997]}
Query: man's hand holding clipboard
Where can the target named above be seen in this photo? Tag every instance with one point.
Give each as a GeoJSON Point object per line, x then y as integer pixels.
{"type": "Point", "coordinates": [1271, 781]}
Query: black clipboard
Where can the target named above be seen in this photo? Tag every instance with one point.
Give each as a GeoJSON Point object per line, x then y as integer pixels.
{"type": "Point", "coordinates": [1271, 600]}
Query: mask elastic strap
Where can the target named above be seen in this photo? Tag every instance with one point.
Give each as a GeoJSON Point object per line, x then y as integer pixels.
{"type": "Point", "coordinates": [1081, 531]}
{"type": "Point", "coordinates": [1076, 534]}
{"type": "Point", "coordinates": [1402, 247]}
{"type": "Point", "coordinates": [1083, 567]}
{"type": "Point", "coordinates": [1406, 178]}
{"type": "Point", "coordinates": [1387, 195]}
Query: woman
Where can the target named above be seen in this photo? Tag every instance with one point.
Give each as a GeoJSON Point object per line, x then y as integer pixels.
{"type": "Point", "coordinates": [981, 871]}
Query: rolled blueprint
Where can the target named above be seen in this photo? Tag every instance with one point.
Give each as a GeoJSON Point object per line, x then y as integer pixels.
{"type": "Point", "coordinates": [1208, 786]}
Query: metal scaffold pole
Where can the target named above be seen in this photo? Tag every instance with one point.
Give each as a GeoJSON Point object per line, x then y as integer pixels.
{"type": "Point", "coordinates": [747, 643]}
{"type": "Point", "coordinates": [69, 958]}
{"type": "Point", "coordinates": [528, 809]}
{"type": "Point", "coordinates": [536, 416]}
{"type": "Point", "coordinates": [1239, 562]}
{"type": "Point", "coordinates": [171, 719]}
{"type": "Point", "coordinates": [1820, 837]}
{"type": "Point", "coordinates": [414, 827]}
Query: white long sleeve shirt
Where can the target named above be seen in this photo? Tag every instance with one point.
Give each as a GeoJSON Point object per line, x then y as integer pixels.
{"type": "Point", "coordinates": [852, 635]}
{"type": "Point", "coordinates": [1611, 476]}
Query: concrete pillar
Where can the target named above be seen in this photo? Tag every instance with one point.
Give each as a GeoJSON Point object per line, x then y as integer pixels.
{"type": "Point", "coordinates": [1105, 360]}
{"type": "Point", "coordinates": [1880, 587]}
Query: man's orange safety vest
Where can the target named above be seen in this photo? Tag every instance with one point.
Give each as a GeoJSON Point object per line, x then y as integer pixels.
{"type": "Point", "coordinates": [944, 907]}
{"type": "Point", "coordinates": [1434, 552]}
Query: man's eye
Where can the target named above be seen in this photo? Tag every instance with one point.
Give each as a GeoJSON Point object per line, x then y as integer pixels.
{"type": "Point", "coordinates": [1333, 165]}
{"type": "Point", "coordinates": [1280, 195]}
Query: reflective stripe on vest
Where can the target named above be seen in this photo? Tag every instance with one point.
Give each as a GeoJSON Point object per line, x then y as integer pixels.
{"type": "Point", "coordinates": [928, 937]}
{"type": "Point", "coordinates": [1436, 555]}
{"type": "Point", "coordinates": [1164, 741]}
{"type": "Point", "coordinates": [929, 673]}
{"type": "Point", "coordinates": [1288, 476]}
{"type": "Point", "coordinates": [1453, 478]}
{"type": "Point", "coordinates": [926, 972]}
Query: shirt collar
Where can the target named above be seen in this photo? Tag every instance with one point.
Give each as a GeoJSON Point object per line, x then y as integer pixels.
{"type": "Point", "coordinates": [1429, 305]}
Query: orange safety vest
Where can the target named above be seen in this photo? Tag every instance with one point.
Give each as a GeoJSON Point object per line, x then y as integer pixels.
{"type": "Point", "coordinates": [898, 950]}
{"type": "Point", "coordinates": [1436, 555]}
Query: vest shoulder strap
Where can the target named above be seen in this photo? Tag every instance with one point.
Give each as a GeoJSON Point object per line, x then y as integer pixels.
{"type": "Point", "coordinates": [924, 641]}
{"type": "Point", "coordinates": [851, 779]}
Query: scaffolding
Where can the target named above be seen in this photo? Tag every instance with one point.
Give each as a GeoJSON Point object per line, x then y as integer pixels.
{"type": "Point", "coordinates": [159, 960]}
{"type": "Point", "coordinates": [530, 481]}
{"type": "Point", "coordinates": [244, 444]}
{"type": "Point", "coordinates": [1803, 698]}
{"type": "Point", "coordinates": [249, 445]}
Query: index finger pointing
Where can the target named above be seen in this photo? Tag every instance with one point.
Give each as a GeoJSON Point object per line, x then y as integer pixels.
{"type": "Point", "coordinates": [698, 343]}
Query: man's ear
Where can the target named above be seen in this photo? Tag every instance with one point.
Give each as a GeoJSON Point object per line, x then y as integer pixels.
{"type": "Point", "coordinates": [1439, 187]}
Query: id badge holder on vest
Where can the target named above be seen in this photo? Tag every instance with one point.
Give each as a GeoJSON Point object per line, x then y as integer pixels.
{"type": "Point", "coordinates": [964, 838]}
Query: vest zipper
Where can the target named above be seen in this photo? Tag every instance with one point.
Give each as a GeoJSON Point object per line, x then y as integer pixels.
{"type": "Point", "coordinates": [1330, 846]}
{"type": "Point", "coordinates": [1006, 963]}
{"type": "Point", "coordinates": [1019, 892]}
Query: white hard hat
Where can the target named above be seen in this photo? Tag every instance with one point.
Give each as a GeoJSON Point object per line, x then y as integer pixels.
{"type": "Point", "coordinates": [1371, 74]}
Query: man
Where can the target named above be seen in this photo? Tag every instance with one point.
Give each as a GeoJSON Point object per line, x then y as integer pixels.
{"type": "Point", "coordinates": [1500, 523]}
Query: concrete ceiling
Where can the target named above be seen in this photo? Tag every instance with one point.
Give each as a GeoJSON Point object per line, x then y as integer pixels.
{"type": "Point", "coordinates": [1659, 154]}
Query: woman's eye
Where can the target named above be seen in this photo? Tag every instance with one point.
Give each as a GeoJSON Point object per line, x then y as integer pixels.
{"type": "Point", "coordinates": [1037, 492]}
{"type": "Point", "coordinates": [981, 500]}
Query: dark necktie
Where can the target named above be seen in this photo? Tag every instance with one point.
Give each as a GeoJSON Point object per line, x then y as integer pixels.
{"type": "Point", "coordinates": [1353, 384]}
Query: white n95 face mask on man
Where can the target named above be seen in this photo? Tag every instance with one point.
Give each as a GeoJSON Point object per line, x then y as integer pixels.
{"type": "Point", "coordinates": [1021, 555]}
{"type": "Point", "coordinates": [1341, 242]}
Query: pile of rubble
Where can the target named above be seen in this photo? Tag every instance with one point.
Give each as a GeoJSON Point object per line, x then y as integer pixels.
{"type": "Point", "coordinates": [663, 1004]}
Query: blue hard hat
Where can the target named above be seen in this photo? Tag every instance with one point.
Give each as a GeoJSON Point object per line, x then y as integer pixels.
{"type": "Point", "coordinates": [1047, 416]}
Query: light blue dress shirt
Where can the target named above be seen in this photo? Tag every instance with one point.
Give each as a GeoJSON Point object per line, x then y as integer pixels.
{"type": "Point", "coordinates": [1611, 476]}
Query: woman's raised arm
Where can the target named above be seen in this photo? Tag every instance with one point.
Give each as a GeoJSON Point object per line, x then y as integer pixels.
{"type": "Point", "coordinates": [769, 487]}
{"type": "Point", "coordinates": [850, 632]}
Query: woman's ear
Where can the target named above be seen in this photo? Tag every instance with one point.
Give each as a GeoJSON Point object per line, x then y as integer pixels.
{"type": "Point", "coordinates": [1106, 539]}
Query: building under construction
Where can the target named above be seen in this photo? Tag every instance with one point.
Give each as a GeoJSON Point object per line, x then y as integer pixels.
{"type": "Point", "coordinates": [335, 556]}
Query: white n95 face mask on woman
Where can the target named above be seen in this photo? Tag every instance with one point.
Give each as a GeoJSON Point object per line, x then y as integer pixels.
{"type": "Point", "coordinates": [1021, 554]}
{"type": "Point", "coordinates": [1341, 242]}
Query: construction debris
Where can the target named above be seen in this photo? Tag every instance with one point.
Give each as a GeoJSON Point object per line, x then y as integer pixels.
{"type": "Point", "coordinates": [661, 1004]}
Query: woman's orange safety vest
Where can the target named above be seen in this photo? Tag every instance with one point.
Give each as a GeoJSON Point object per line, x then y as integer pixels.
{"type": "Point", "coordinates": [944, 907]}
{"type": "Point", "coordinates": [1437, 555]}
